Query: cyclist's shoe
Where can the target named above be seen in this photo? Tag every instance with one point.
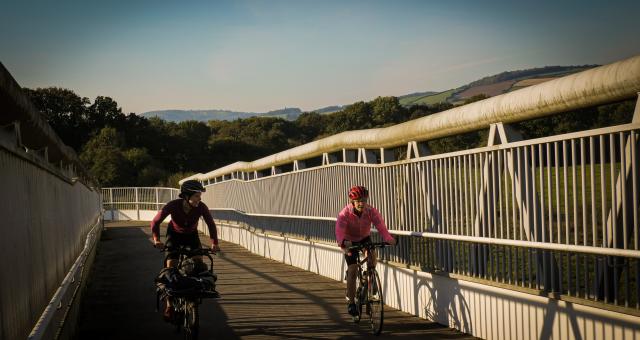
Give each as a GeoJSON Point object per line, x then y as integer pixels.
{"type": "Point", "coordinates": [352, 309]}
{"type": "Point", "coordinates": [168, 313]}
{"type": "Point", "coordinates": [212, 294]}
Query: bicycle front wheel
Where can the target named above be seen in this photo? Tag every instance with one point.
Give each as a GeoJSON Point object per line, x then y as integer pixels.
{"type": "Point", "coordinates": [375, 303]}
{"type": "Point", "coordinates": [191, 321]}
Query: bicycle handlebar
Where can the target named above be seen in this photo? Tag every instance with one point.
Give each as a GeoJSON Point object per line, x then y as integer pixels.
{"type": "Point", "coordinates": [369, 246]}
{"type": "Point", "coordinates": [188, 251]}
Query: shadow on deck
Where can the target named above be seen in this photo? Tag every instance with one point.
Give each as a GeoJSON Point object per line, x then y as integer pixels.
{"type": "Point", "coordinates": [262, 298]}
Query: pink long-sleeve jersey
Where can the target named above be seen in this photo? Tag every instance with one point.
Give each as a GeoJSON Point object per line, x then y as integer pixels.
{"type": "Point", "coordinates": [352, 227]}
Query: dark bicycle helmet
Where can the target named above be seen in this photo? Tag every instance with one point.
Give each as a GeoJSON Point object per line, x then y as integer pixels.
{"type": "Point", "coordinates": [191, 187]}
{"type": "Point", "coordinates": [358, 192]}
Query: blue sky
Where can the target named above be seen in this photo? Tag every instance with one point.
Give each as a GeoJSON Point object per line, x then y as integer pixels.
{"type": "Point", "coordinates": [265, 55]}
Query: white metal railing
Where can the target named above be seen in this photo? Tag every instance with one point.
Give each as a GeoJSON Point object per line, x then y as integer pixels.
{"type": "Point", "coordinates": [52, 213]}
{"type": "Point", "coordinates": [136, 199]}
{"type": "Point", "coordinates": [558, 214]}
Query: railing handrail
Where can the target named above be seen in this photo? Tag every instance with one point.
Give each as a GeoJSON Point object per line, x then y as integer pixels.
{"type": "Point", "coordinates": [604, 251]}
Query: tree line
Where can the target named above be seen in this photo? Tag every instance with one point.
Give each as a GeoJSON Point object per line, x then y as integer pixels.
{"type": "Point", "coordinates": [121, 149]}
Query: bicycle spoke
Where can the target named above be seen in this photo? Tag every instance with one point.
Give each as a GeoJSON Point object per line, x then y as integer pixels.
{"type": "Point", "coordinates": [375, 303]}
{"type": "Point", "coordinates": [192, 321]}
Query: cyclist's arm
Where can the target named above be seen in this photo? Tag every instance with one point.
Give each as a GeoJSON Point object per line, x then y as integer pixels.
{"type": "Point", "coordinates": [211, 225]}
{"type": "Point", "coordinates": [155, 223]}
{"type": "Point", "coordinates": [341, 227]}
{"type": "Point", "coordinates": [378, 222]}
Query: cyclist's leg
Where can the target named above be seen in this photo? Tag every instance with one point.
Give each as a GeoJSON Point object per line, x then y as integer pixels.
{"type": "Point", "coordinates": [173, 241]}
{"type": "Point", "coordinates": [352, 272]}
{"type": "Point", "coordinates": [353, 269]}
{"type": "Point", "coordinates": [373, 258]}
{"type": "Point", "coordinates": [194, 243]}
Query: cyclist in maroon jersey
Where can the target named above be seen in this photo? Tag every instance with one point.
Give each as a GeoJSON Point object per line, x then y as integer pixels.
{"type": "Point", "coordinates": [183, 228]}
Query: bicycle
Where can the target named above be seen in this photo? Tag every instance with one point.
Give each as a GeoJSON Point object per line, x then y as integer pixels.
{"type": "Point", "coordinates": [186, 290]}
{"type": "Point", "coordinates": [369, 291]}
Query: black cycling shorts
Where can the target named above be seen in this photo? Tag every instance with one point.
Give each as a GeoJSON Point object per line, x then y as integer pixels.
{"type": "Point", "coordinates": [353, 258]}
{"type": "Point", "coordinates": [175, 240]}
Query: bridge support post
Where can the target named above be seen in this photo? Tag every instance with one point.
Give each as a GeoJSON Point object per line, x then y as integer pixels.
{"type": "Point", "coordinates": [137, 205]}
{"type": "Point", "coordinates": [298, 165]}
{"type": "Point", "coordinates": [328, 158]}
{"type": "Point", "coordinates": [349, 156]}
{"type": "Point", "coordinates": [386, 155]}
{"type": "Point", "coordinates": [417, 150]}
{"type": "Point", "coordinates": [111, 202]}
{"type": "Point", "coordinates": [548, 273]}
{"type": "Point", "coordinates": [636, 112]}
{"type": "Point", "coordinates": [620, 217]}
{"type": "Point", "coordinates": [366, 156]}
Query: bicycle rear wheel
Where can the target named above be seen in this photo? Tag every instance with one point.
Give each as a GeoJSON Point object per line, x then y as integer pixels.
{"type": "Point", "coordinates": [375, 303]}
{"type": "Point", "coordinates": [359, 302]}
{"type": "Point", "coordinates": [177, 317]}
{"type": "Point", "coordinates": [191, 321]}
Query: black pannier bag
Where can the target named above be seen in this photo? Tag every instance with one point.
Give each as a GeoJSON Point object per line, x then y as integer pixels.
{"type": "Point", "coordinates": [172, 282]}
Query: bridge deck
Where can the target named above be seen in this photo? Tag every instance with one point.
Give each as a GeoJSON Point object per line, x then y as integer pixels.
{"type": "Point", "coordinates": [262, 299]}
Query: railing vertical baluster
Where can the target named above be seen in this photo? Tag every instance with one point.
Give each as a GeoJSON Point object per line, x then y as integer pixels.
{"type": "Point", "coordinates": [612, 153]}
{"type": "Point", "coordinates": [623, 181]}
{"type": "Point", "coordinates": [636, 227]}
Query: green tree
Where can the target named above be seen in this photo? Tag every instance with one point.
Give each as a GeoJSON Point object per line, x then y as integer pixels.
{"type": "Point", "coordinates": [65, 111]}
{"type": "Point", "coordinates": [310, 125]}
{"type": "Point", "coordinates": [142, 169]}
{"type": "Point", "coordinates": [105, 112]}
{"type": "Point", "coordinates": [387, 111]}
{"type": "Point", "coordinates": [172, 181]}
{"type": "Point", "coordinates": [356, 116]}
{"type": "Point", "coordinates": [104, 158]}
{"type": "Point", "coordinates": [188, 148]}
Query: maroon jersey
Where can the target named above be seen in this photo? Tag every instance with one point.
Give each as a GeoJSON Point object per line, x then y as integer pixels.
{"type": "Point", "coordinates": [182, 223]}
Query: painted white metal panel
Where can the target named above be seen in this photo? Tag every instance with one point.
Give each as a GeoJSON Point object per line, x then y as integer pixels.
{"type": "Point", "coordinates": [46, 218]}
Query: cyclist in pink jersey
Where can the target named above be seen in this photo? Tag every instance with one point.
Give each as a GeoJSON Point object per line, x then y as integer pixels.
{"type": "Point", "coordinates": [353, 226]}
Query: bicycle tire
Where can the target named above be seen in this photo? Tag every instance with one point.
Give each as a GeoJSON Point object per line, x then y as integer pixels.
{"type": "Point", "coordinates": [178, 314]}
{"type": "Point", "coordinates": [375, 303]}
{"type": "Point", "coordinates": [359, 304]}
{"type": "Point", "coordinates": [191, 321]}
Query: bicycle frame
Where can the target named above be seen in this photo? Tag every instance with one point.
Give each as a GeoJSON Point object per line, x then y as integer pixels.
{"type": "Point", "coordinates": [185, 309]}
{"type": "Point", "coordinates": [369, 291]}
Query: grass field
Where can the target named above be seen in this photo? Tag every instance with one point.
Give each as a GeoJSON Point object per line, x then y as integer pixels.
{"type": "Point", "coordinates": [433, 99]}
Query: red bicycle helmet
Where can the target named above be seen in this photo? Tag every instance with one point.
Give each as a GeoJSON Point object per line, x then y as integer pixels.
{"type": "Point", "coordinates": [358, 192]}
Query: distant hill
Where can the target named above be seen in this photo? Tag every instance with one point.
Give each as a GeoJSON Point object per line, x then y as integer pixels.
{"type": "Point", "coordinates": [409, 98]}
{"type": "Point", "coordinates": [329, 109]}
{"type": "Point", "coordinates": [491, 86]}
{"type": "Point", "coordinates": [207, 115]}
